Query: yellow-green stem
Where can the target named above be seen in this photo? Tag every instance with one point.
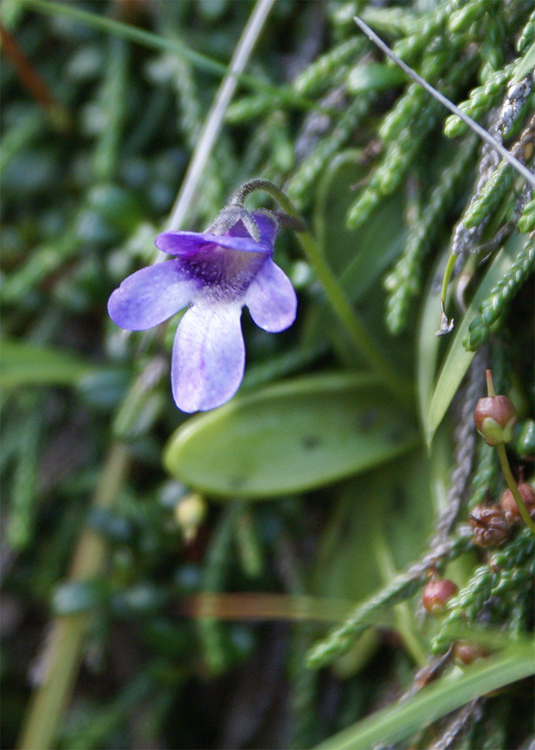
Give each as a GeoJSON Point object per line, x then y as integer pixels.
{"type": "Point", "coordinates": [511, 483]}
{"type": "Point", "coordinates": [64, 649]}
{"type": "Point", "coordinates": [333, 291]}
{"type": "Point", "coordinates": [490, 383]}
{"type": "Point", "coordinates": [504, 461]}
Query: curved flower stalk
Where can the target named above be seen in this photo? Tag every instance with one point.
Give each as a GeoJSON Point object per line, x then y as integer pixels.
{"type": "Point", "coordinates": [215, 275]}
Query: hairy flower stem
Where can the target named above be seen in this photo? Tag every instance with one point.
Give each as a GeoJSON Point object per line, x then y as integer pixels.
{"type": "Point", "coordinates": [508, 474]}
{"type": "Point", "coordinates": [63, 652]}
{"type": "Point", "coordinates": [335, 294]}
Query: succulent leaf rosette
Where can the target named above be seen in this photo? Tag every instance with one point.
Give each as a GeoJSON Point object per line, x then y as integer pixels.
{"type": "Point", "coordinates": [215, 275]}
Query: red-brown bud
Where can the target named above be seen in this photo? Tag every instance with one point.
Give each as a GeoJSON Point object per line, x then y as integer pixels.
{"type": "Point", "coordinates": [489, 525]}
{"type": "Point", "coordinates": [465, 653]}
{"type": "Point", "coordinates": [510, 508]}
{"type": "Point", "coordinates": [495, 418]}
{"type": "Point", "coordinates": [436, 595]}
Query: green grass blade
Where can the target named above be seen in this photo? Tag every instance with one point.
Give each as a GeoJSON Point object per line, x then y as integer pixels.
{"type": "Point", "coordinates": [23, 364]}
{"type": "Point", "coordinates": [396, 723]}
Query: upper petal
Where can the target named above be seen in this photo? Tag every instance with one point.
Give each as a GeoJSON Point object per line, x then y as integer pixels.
{"type": "Point", "coordinates": [271, 298]}
{"type": "Point", "coordinates": [188, 243]}
{"type": "Point", "coordinates": [208, 357]}
{"type": "Point", "coordinates": [150, 296]}
{"type": "Point", "coordinates": [267, 227]}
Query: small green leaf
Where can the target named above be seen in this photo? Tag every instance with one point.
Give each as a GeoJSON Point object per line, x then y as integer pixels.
{"type": "Point", "coordinates": [374, 77]}
{"type": "Point", "coordinates": [290, 437]}
{"type": "Point", "coordinates": [526, 66]}
{"type": "Point", "coordinates": [23, 364]}
{"type": "Point", "coordinates": [458, 359]}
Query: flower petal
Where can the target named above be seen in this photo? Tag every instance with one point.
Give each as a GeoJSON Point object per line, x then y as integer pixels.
{"type": "Point", "coordinates": [150, 296]}
{"type": "Point", "coordinates": [181, 243]}
{"type": "Point", "coordinates": [208, 357]}
{"type": "Point", "coordinates": [271, 298]}
{"type": "Point", "coordinates": [267, 227]}
{"type": "Point", "coordinates": [189, 243]}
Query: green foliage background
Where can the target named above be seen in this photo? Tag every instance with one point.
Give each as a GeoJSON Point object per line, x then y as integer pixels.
{"type": "Point", "coordinates": [331, 485]}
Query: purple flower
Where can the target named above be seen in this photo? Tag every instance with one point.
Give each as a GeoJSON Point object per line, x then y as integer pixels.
{"type": "Point", "coordinates": [217, 275]}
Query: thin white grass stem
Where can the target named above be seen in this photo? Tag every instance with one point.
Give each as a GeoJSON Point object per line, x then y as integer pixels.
{"type": "Point", "coordinates": [214, 119]}
{"type": "Point", "coordinates": [482, 133]}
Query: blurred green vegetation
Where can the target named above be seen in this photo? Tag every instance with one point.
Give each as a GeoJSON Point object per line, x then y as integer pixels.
{"type": "Point", "coordinates": [117, 573]}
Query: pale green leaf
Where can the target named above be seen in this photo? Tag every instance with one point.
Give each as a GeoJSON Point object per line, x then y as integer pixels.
{"type": "Point", "coordinates": [291, 437]}
{"type": "Point", "coordinates": [374, 77]}
{"type": "Point", "coordinates": [428, 345]}
{"type": "Point", "coordinates": [359, 256]}
{"type": "Point", "coordinates": [383, 514]}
